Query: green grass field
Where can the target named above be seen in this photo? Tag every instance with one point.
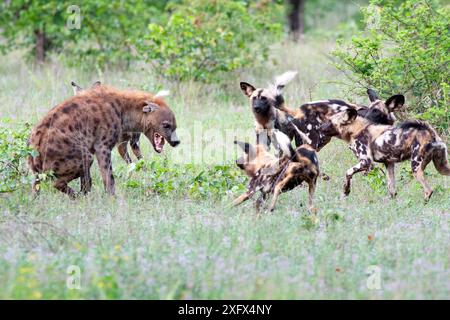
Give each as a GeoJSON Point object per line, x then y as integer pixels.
{"type": "Point", "coordinates": [141, 244]}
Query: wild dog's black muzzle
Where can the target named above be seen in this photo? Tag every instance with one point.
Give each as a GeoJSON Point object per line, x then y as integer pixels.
{"type": "Point", "coordinates": [260, 105]}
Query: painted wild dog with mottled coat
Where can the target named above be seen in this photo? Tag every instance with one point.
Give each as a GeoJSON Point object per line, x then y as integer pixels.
{"type": "Point", "coordinates": [310, 116]}
{"type": "Point", "coordinates": [387, 144]}
{"type": "Point", "coordinates": [273, 175]}
{"type": "Point", "coordinates": [91, 123]}
{"type": "Point", "coordinates": [271, 111]}
{"type": "Point", "coordinates": [125, 137]}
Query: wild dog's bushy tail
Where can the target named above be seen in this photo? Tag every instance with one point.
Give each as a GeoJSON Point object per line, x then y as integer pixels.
{"type": "Point", "coordinates": [280, 82]}
{"type": "Point", "coordinates": [440, 159]}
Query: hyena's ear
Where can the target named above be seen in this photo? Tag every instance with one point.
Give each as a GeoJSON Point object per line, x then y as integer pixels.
{"type": "Point", "coordinates": [395, 102]}
{"type": "Point", "coordinates": [350, 115]}
{"type": "Point", "coordinates": [150, 107]}
{"type": "Point", "coordinates": [76, 88]}
{"type": "Point", "coordinates": [247, 88]}
{"type": "Point", "coordinates": [373, 96]}
{"type": "Point", "coordinates": [96, 84]}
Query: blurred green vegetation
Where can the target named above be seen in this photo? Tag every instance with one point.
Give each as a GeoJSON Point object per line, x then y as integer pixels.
{"type": "Point", "coordinates": [403, 49]}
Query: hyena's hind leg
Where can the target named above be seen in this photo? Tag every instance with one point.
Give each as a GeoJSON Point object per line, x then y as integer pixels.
{"type": "Point", "coordinates": [420, 158]}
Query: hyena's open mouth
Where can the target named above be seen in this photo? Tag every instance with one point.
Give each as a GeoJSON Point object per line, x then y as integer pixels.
{"type": "Point", "coordinates": [158, 142]}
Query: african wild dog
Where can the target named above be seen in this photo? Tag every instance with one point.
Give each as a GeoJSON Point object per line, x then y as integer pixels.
{"type": "Point", "coordinates": [265, 103]}
{"type": "Point", "coordinates": [381, 112]}
{"type": "Point", "coordinates": [133, 138]}
{"type": "Point", "coordinates": [273, 175]}
{"type": "Point", "coordinates": [91, 123]}
{"type": "Point", "coordinates": [414, 140]}
{"type": "Point", "coordinates": [310, 116]}
{"type": "Point", "coordinates": [271, 112]}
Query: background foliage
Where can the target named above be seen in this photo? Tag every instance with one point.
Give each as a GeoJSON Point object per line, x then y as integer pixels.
{"type": "Point", "coordinates": [404, 49]}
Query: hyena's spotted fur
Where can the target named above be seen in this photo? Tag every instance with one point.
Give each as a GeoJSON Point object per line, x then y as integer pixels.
{"type": "Point", "coordinates": [274, 175]}
{"type": "Point", "coordinates": [125, 137]}
{"type": "Point", "coordinates": [414, 140]}
{"type": "Point", "coordinates": [91, 123]}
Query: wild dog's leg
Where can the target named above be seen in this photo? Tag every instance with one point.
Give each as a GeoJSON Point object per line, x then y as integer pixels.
{"type": "Point", "coordinates": [103, 155]}
{"type": "Point", "coordinates": [134, 143]}
{"type": "Point", "coordinates": [363, 165]}
{"type": "Point", "coordinates": [391, 179]}
{"type": "Point", "coordinates": [419, 161]}
{"type": "Point", "coordinates": [311, 190]}
{"type": "Point", "coordinates": [279, 186]}
{"type": "Point", "coordinates": [260, 201]}
{"type": "Point", "coordinates": [242, 198]}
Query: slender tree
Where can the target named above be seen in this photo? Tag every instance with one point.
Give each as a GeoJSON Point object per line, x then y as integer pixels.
{"type": "Point", "coordinates": [296, 18]}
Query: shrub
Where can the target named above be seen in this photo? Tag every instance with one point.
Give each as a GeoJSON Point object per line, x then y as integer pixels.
{"type": "Point", "coordinates": [404, 49]}
{"type": "Point", "coordinates": [210, 182]}
{"type": "Point", "coordinates": [13, 154]}
{"type": "Point", "coordinates": [204, 38]}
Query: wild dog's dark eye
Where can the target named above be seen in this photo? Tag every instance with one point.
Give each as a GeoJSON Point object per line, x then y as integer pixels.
{"type": "Point", "coordinates": [263, 98]}
{"type": "Point", "coordinates": [166, 125]}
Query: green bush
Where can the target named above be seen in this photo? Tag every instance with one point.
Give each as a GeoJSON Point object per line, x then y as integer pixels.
{"type": "Point", "coordinates": [204, 38]}
{"type": "Point", "coordinates": [104, 34]}
{"type": "Point", "coordinates": [210, 182]}
{"type": "Point", "coordinates": [14, 152]}
{"type": "Point", "coordinates": [404, 49]}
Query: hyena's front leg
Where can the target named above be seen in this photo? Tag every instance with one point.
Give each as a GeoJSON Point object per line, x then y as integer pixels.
{"type": "Point", "coordinates": [103, 155]}
{"type": "Point", "coordinates": [363, 165]}
{"type": "Point", "coordinates": [122, 147]}
{"type": "Point", "coordinates": [134, 143]}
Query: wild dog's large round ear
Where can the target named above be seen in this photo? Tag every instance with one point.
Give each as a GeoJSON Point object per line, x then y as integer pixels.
{"type": "Point", "coordinates": [247, 88]}
{"type": "Point", "coordinates": [150, 107]}
{"type": "Point", "coordinates": [247, 147]}
{"type": "Point", "coordinates": [373, 96]}
{"type": "Point", "coordinates": [395, 102]}
{"type": "Point", "coordinates": [350, 115]}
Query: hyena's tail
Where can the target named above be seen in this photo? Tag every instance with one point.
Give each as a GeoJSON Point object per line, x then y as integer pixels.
{"type": "Point", "coordinates": [440, 158]}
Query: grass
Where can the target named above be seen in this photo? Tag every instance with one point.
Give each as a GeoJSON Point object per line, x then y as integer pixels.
{"type": "Point", "coordinates": [142, 244]}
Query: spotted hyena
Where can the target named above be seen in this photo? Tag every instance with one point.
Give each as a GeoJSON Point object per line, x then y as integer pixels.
{"type": "Point", "coordinates": [414, 140]}
{"type": "Point", "coordinates": [273, 175]}
{"type": "Point", "coordinates": [90, 124]}
{"type": "Point", "coordinates": [125, 137]}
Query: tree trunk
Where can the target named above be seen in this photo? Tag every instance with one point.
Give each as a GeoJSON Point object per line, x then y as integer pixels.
{"type": "Point", "coordinates": [296, 18]}
{"type": "Point", "coordinates": [40, 45]}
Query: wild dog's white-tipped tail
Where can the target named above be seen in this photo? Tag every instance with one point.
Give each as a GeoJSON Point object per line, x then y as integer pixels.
{"type": "Point", "coordinates": [282, 80]}
{"type": "Point", "coordinates": [162, 93]}
{"type": "Point", "coordinates": [283, 142]}
{"type": "Point", "coordinates": [302, 135]}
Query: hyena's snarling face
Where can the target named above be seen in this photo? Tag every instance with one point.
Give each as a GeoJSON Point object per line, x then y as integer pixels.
{"type": "Point", "coordinates": [382, 112]}
{"type": "Point", "coordinates": [159, 125]}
